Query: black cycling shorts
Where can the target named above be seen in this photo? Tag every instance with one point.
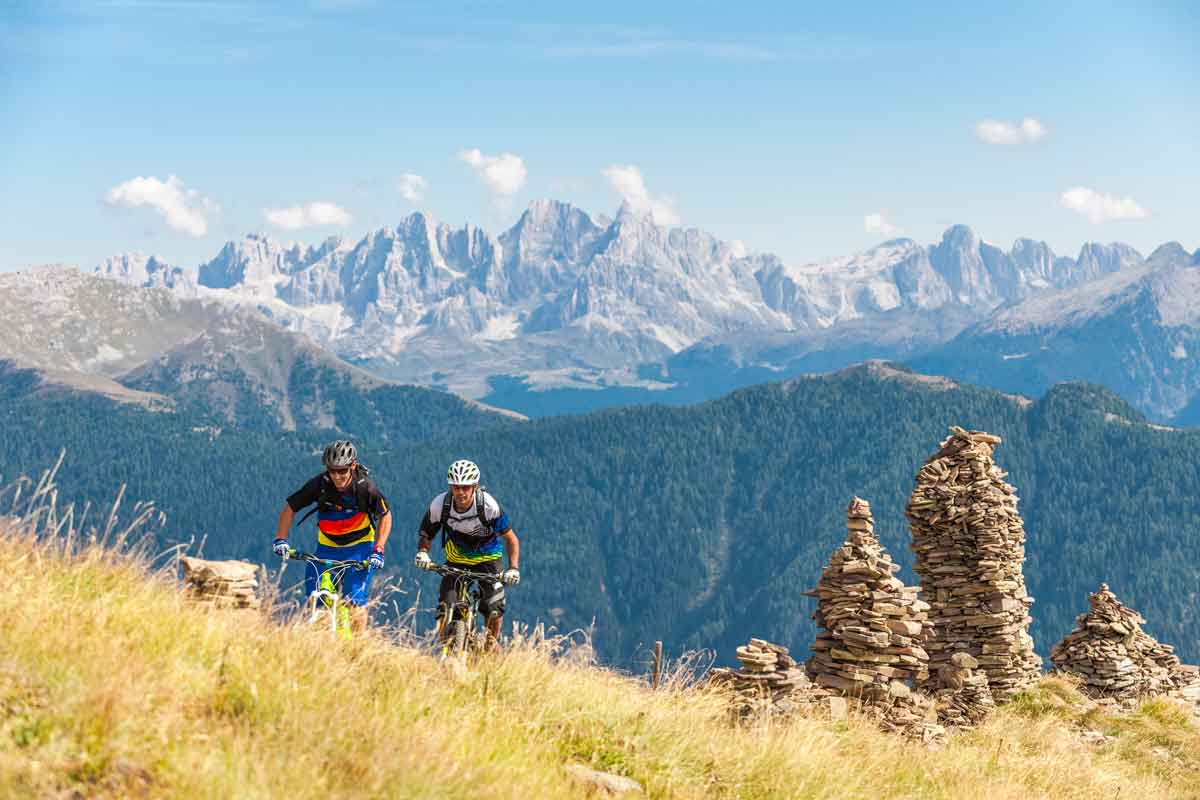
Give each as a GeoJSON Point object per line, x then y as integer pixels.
{"type": "Point", "coordinates": [491, 592]}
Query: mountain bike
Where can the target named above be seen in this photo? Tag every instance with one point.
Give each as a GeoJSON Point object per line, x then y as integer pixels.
{"type": "Point", "coordinates": [456, 623]}
{"type": "Point", "coordinates": [326, 599]}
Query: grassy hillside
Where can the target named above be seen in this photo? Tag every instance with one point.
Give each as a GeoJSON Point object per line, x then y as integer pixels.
{"type": "Point", "coordinates": [111, 685]}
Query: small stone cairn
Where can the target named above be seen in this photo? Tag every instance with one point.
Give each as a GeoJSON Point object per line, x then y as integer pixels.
{"type": "Point", "coordinates": [869, 646]}
{"type": "Point", "coordinates": [769, 683]}
{"type": "Point", "coordinates": [963, 698]}
{"type": "Point", "coordinates": [1116, 659]}
{"type": "Point", "coordinates": [223, 584]}
{"type": "Point", "coordinates": [969, 541]}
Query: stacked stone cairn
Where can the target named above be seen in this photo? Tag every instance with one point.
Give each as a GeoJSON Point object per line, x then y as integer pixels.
{"type": "Point", "coordinates": [769, 683]}
{"type": "Point", "coordinates": [223, 584]}
{"type": "Point", "coordinates": [962, 698]}
{"type": "Point", "coordinates": [1115, 658]}
{"type": "Point", "coordinates": [969, 542]}
{"type": "Point", "coordinates": [869, 646]}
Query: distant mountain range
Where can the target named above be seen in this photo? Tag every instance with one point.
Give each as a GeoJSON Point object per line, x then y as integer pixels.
{"type": "Point", "coordinates": [566, 311]}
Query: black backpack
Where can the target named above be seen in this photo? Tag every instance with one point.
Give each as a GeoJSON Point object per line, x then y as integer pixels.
{"type": "Point", "coordinates": [446, 502]}
{"type": "Point", "coordinates": [331, 497]}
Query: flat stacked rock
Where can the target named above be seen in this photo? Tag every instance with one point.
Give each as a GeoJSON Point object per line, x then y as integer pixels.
{"type": "Point", "coordinates": [962, 698]}
{"type": "Point", "coordinates": [872, 625]}
{"type": "Point", "coordinates": [1115, 658]}
{"type": "Point", "coordinates": [769, 682]}
{"type": "Point", "coordinates": [969, 542]}
{"type": "Point", "coordinates": [224, 584]}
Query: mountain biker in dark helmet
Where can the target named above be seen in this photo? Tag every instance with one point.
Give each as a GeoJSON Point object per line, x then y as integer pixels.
{"type": "Point", "coordinates": [476, 533]}
{"type": "Point", "coordinates": [353, 523]}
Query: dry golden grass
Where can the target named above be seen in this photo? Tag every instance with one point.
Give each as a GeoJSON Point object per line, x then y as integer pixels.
{"type": "Point", "coordinates": [111, 685]}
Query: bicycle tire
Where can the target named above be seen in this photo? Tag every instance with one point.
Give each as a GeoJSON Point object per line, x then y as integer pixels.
{"type": "Point", "coordinates": [460, 638]}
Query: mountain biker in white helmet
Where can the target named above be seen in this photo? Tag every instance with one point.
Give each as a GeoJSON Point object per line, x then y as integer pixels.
{"type": "Point", "coordinates": [353, 523]}
{"type": "Point", "coordinates": [477, 532]}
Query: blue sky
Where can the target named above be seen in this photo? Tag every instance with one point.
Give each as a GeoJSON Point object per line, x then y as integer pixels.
{"type": "Point", "coordinates": [807, 133]}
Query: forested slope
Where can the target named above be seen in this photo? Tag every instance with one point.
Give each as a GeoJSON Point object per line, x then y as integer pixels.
{"type": "Point", "coordinates": [701, 525]}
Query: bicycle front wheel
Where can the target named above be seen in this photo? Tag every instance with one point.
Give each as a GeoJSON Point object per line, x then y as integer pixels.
{"type": "Point", "coordinates": [460, 638]}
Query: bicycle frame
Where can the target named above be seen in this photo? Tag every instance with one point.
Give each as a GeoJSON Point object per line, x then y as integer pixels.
{"type": "Point", "coordinates": [326, 599]}
{"type": "Point", "coordinates": [456, 624]}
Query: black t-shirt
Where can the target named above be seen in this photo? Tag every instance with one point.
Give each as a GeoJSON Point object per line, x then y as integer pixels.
{"type": "Point", "coordinates": [343, 522]}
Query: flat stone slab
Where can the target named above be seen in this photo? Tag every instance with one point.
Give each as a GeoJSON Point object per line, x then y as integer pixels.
{"type": "Point", "coordinates": [605, 781]}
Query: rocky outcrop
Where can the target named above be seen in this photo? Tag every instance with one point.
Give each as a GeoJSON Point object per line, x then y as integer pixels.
{"type": "Point", "coordinates": [223, 584]}
{"type": "Point", "coordinates": [969, 541]}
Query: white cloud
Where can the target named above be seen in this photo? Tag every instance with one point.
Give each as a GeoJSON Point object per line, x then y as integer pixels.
{"type": "Point", "coordinates": [994, 131]}
{"type": "Point", "coordinates": [412, 187]}
{"type": "Point", "coordinates": [628, 182]}
{"type": "Point", "coordinates": [308, 216]}
{"type": "Point", "coordinates": [183, 209]}
{"type": "Point", "coordinates": [875, 223]}
{"type": "Point", "coordinates": [503, 174]}
{"type": "Point", "coordinates": [1099, 207]}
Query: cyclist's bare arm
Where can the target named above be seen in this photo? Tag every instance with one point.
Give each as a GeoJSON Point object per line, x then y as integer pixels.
{"type": "Point", "coordinates": [285, 522]}
{"type": "Point", "coordinates": [512, 548]}
{"type": "Point", "coordinates": [424, 543]}
{"type": "Point", "coordinates": [385, 530]}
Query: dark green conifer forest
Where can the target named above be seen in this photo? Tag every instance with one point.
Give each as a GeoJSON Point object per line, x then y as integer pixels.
{"type": "Point", "coordinates": [699, 526]}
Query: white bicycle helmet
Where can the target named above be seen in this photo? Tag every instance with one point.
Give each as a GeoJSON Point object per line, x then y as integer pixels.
{"type": "Point", "coordinates": [462, 473]}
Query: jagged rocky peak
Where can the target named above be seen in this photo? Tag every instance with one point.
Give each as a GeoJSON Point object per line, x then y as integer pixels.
{"type": "Point", "coordinates": [960, 237]}
{"type": "Point", "coordinates": [255, 259]}
{"type": "Point", "coordinates": [958, 258]}
{"type": "Point", "coordinates": [1168, 254]}
{"type": "Point", "coordinates": [1031, 254]}
{"type": "Point", "coordinates": [140, 269]}
{"type": "Point", "coordinates": [1097, 259]}
{"type": "Point", "coordinates": [550, 230]}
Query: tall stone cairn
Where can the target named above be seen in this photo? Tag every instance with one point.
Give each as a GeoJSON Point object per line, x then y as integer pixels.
{"type": "Point", "coordinates": [871, 623]}
{"type": "Point", "coordinates": [1115, 658]}
{"type": "Point", "coordinates": [969, 542]}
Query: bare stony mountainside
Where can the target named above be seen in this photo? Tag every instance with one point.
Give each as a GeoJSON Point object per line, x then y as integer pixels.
{"type": "Point", "coordinates": [1136, 331]}
{"type": "Point", "coordinates": [212, 360]}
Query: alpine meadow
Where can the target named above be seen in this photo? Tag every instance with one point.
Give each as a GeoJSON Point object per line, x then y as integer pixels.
{"type": "Point", "coordinates": [676, 400]}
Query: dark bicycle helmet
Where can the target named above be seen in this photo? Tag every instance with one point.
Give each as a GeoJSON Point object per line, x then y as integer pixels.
{"type": "Point", "coordinates": [340, 454]}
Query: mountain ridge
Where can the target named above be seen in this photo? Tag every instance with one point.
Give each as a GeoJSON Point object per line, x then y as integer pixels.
{"type": "Point", "coordinates": [566, 299]}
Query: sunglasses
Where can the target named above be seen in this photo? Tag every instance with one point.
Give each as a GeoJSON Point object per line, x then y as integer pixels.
{"type": "Point", "coordinates": [339, 473]}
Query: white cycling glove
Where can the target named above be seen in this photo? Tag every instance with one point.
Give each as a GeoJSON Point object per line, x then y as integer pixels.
{"type": "Point", "coordinates": [423, 561]}
{"type": "Point", "coordinates": [511, 576]}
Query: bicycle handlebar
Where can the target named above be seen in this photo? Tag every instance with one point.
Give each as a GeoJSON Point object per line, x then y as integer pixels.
{"type": "Point", "coordinates": [446, 569]}
{"type": "Point", "coordinates": [297, 555]}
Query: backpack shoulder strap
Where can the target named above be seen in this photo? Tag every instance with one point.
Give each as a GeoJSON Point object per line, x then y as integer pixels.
{"type": "Point", "coordinates": [445, 516]}
{"type": "Point", "coordinates": [479, 503]}
{"type": "Point", "coordinates": [321, 501]}
{"type": "Point", "coordinates": [362, 496]}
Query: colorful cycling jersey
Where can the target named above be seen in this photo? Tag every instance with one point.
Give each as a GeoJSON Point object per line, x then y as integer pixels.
{"type": "Point", "coordinates": [340, 522]}
{"type": "Point", "coordinates": [469, 539]}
